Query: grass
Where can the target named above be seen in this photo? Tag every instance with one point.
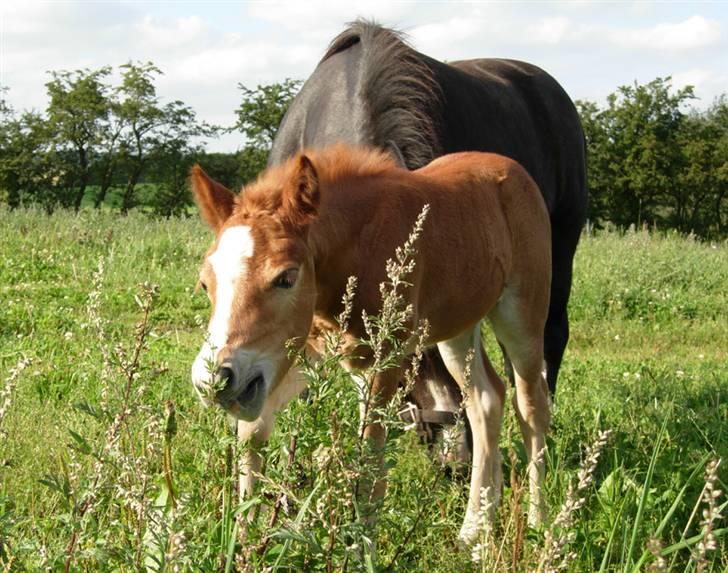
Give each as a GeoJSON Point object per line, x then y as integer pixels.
{"type": "Point", "coordinates": [106, 455]}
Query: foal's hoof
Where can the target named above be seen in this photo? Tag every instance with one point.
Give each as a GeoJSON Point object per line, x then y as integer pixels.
{"type": "Point", "coordinates": [468, 534]}
{"type": "Point", "coordinates": [535, 516]}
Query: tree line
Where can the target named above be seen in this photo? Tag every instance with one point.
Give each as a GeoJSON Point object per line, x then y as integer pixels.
{"type": "Point", "coordinates": [652, 158]}
{"type": "Point", "coordinates": [120, 145]}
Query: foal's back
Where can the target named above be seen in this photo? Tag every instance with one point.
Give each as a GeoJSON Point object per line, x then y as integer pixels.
{"type": "Point", "coordinates": [488, 227]}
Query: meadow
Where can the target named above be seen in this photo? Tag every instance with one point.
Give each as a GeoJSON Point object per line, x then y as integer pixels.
{"type": "Point", "coordinates": [108, 462]}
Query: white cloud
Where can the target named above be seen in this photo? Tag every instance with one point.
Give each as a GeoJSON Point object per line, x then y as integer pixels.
{"type": "Point", "coordinates": [321, 20]}
{"type": "Point", "coordinates": [708, 83]}
{"type": "Point", "coordinates": [180, 32]}
{"type": "Point", "coordinates": [693, 77]}
{"type": "Point", "coordinates": [693, 33]}
{"type": "Point", "coordinates": [548, 30]}
{"type": "Point", "coordinates": [235, 59]}
{"type": "Point", "coordinates": [437, 38]}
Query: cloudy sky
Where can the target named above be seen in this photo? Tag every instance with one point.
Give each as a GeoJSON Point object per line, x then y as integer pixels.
{"type": "Point", "coordinates": [206, 48]}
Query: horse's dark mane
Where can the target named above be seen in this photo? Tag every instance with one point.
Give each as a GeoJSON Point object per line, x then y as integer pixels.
{"type": "Point", "coordinates": [398, 89]}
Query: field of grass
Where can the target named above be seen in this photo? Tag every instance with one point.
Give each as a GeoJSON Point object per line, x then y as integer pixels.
{"type": "Point", "coordinates": [96, 474]}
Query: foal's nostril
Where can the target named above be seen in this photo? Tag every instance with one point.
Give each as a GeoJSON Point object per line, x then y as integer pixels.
{"type": "Point", "coordinates": [226, 377]}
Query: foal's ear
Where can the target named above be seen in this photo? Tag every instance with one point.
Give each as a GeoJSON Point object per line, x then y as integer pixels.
{"type": "Point", "coordinates": [301, 196]}
{"type": "Point", "coordinates": [214, 200]}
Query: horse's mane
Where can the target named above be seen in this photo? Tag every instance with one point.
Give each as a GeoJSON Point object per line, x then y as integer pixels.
{"type": "Point", "coordinates": [398, 89]}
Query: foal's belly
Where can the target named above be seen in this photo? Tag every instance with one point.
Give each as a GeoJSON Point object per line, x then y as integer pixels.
{"type": "Point", "coordinates": [451, 315]}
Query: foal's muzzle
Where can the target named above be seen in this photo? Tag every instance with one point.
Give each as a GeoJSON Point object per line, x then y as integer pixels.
{"type": "Point", "coordinates": [242, 397]}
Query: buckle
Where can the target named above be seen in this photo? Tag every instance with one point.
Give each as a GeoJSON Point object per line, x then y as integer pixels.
{"type": "Point", "coordinates": [410, 414]}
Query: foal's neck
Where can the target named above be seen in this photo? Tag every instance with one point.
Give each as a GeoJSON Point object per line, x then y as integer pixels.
{"type": "Point", "coordinates": [346, 217]}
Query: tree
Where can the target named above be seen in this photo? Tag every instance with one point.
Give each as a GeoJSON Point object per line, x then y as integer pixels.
{"type": "Point", "coordinates": [259, 116]}
{"type": "Point", "coordinates": [9, 128]}
{"type": "Point", "coordinates": [599, 171]}
{"type": "Point", "coordinates": [173, 157]}
{"type": "Point", "coordinates": [699, 201]}
{"type": "Point", "coordinates": [150, 129]}
{"type": "Point", "coordinates": [78, 105]}
{"type": "Point", "coordinates": [634, 153]}
{"type": "Point", "coordinates": [108, 156]}
{"type": "Point", "coordinates": [223, 167]}
{"type": "Point", "coordinates": [30, 168]}
{"type": "Point", "coordinates": [139, 111]}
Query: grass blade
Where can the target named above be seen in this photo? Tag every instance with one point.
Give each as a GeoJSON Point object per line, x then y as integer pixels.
{"type": "Point", "coordinates": [665, 520]}
{"type": "Point", "coordinates": [645, 492]}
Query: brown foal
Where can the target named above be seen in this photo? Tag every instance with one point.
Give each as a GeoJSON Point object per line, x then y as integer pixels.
{"type": "Point", "coordinates": [287, 244]}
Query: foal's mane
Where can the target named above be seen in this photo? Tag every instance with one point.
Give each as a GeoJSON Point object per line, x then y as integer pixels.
{"type": "Point", "coordinates": [399, 90]}
{"type": "Point", "coordinates": [334, 165]}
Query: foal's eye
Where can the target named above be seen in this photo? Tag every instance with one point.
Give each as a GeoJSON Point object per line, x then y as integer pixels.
{"type": "Point", "coordinates": [203, 286]}
{"type": "Point", "coordinates": [286, 279]}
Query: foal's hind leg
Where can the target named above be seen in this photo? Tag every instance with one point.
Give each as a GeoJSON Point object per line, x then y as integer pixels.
{"type": "Point", "coordinates": [484, 407]}
{"type": "Point", "coordinates": [519, 327]}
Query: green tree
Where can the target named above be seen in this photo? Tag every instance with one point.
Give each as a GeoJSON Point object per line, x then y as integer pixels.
{"type": "Point", "coordinates": [30, 169]}
{"type": "Point", "coordinates": [76, 111]}
{"type": "Point", "coordinates": [634, 152]}
{"type": "Point", "coordinates": [223, 167]}
{"type": "Point", "coordinates": [108, 156]}
{"type": "Point", "coordinates": [699, 200]}
{"type": "Point", "coordinates": [150, 129]}
{"type": "Point", "coordinates": [9, 176]}
{"type": "Point", "coordinates": [173, 157]}
{"type": "Point", "coordinates": [259, 116]}
{"type": "Point", "coordinates": [599, 170]}
{"type": "Point", "coordinates": [140, 113]}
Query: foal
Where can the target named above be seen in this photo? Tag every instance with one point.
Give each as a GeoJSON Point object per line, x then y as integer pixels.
{"type": "Point", "coordinates": [287, 244]}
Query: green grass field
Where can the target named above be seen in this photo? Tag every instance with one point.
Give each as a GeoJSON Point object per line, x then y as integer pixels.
{"type": "Point", "coordinates": [95, 477]}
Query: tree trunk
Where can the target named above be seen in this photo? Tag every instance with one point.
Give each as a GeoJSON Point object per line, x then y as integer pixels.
{"type": "Point", "coordinates": [106, 178]}
{"type": "Point", "coordinates": [81, 191]}
{"type": "Point", "coordinates": [719, 213]}
{"type": "Point", "coordinates": [13, 191]}
{"type": "Point", "coordinates": [128, 198]}
{"type": "Point", "coordinates": [136, 171]}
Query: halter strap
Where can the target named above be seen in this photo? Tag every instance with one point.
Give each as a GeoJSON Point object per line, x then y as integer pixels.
{"type": "Point", "coordinates": [418, 419]}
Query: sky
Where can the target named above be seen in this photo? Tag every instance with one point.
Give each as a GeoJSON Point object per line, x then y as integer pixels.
{"type": "Point", "coordinates": [205, 49]}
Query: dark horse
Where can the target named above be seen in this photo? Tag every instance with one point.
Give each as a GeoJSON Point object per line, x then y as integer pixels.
{"type": "Point", "coordinates": [371, 88]}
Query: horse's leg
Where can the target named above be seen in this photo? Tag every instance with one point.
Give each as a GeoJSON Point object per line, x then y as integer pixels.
{"type": "Point", "coordinates": [556, 333]}
{"type": "Point", "coordinates": [519, 327]}
{"type": "Point", "coordinates": [484, 407]}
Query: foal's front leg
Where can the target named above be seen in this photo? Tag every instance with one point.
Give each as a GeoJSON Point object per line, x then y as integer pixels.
{"type": "Point", "coordinates": [484, 407]}
{"type": "Point", "coordinates": [257, 432]}
{"type": "Point", "coordinates": [383, 389]}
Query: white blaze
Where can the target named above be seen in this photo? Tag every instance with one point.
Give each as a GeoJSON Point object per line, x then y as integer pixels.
{"type": "Point", "coordinates": [229, 263]}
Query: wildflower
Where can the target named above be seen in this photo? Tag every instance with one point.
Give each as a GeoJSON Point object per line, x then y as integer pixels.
{"type": "Point", "coordinates": [560, 535]}
{"type": "Point", "coordinates": [6, 396]}
{"type": "Point", "coordinates": [659, 565]}
{"type": "Point", "coordinates": [711, 515]}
